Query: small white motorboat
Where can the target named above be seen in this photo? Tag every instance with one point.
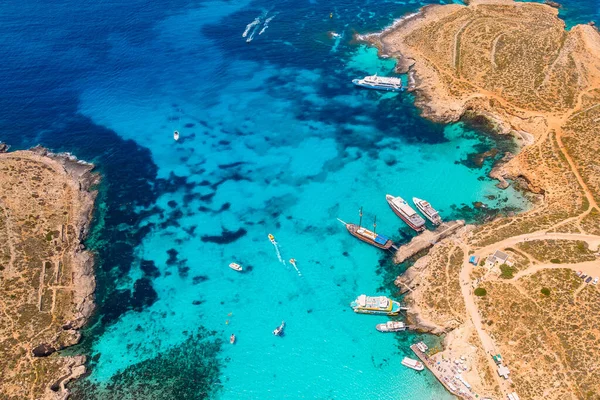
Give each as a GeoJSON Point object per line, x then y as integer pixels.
{"type": "Point", "coordinates": [422, 347]}
{"type": "Point", "coordinates": [235, 267]}
{"type": "Point", "coordinates": [413, 364]}
{"type": "Point", "coordinates": [176, 135]}
{"type": "Point", "coordinates": [272, 239]}
{"type": "Point", "coordinates": [232, 338]}
{"type": "Point", "coordinates": [279, 330]}
{"type": "Point", "coordinates": [391, 326]}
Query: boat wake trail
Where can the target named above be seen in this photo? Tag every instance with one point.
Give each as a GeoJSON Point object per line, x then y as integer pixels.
{"type": "Point", "coordinates": [266, 24]}
{"type": "Point", "coordinates": [250, 25]}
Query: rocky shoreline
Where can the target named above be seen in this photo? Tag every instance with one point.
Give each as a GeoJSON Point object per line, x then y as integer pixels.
{"type": "Point", "coordinates": [78, 181]}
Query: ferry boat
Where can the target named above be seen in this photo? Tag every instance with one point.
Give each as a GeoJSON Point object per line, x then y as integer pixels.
{"type": "Point", "coordinates": [235, 267]}
{"type": "Point", "coordinates": [390, 84]}
{"type": "Point", "coordinates": [391, 326]}
{"type": "Point", "coordinates": [375, 305]}
{"type": "Point", "coordinates": [429, 212]}
{"type": "Point", "coordinates": [414, 364]}
{"type": "Point", "coordinates": [176, 135]}
{"type": "Point", "coordinates": [374, 239]}
{"type": "Point", "coordinates": [406, 212]}
{"type": "Point", "coordinates": [279, 330]}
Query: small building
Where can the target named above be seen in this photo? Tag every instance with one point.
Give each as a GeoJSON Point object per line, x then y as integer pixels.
{"type": "Point", "coordinates": [499, 257]}
{"type": "Point", "coordinates": [503, 371]}
{"type": "Point", "coordinates": [474, 260]}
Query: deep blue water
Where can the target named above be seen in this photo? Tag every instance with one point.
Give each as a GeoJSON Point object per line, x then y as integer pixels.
{"type": "Point", "coordinates": [273, 140]}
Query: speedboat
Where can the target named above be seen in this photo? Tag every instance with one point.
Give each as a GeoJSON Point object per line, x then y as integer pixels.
{"type": "Point", "coordinates": [176, 135]}
{"type": "Point", "coordinates": [293, 261]}
{"type": "Point", "coordinates": [414, 364]}
{"type": "Point", "coordinates": [235, 267]}
{"type": "Point", "coordinates": [279, 330]}
{"type": "Point", "coordinates": [391, 326]}
{"type": "Point", "coordinates": [272, 239]}
{"type": "Point", "coordinates": [232, 338]}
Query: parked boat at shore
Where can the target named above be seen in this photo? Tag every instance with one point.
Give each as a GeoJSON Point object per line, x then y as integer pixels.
{"type": "Point", "coordinates": [371, 237]}
{"type": "Point", "coordinates": [406, 212]}
{"type": "Point", "coordinates": [414, 364]}
{"type": "Point", "coordinates": [387, 83]}
{"type": "Point", "coordinates": [428, 211]}
{"type": "Point", "coordinates": [391, 326]}
{"type": "Point", "coordinates": [375, 305]}
{"type": "Point", "coordinates": [422, 347]}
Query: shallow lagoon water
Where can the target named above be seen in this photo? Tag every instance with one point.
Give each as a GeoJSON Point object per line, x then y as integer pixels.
{"type": "Point", "coordinates": [274, 139]}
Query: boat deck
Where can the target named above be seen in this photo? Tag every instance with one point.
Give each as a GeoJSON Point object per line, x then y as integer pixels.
{"type": "Point", "coordinates": [445, 377]}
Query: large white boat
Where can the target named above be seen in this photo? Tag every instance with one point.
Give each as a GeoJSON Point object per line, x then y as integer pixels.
{"type": "Point", "coordinates": [391, 326]}
{"type": "Point", "coordinates": [375, 305]}
{"type": "Point", "coordinates": [406, 212]}
{"type": "Point", "coordinates": [388, 83]}
{"type": "Point", "coordinates": [414, 364]}
{"type": "Point", "coordinates": [429, 212]}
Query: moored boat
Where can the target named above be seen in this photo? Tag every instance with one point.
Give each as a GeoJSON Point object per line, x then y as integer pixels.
{"type": "Point", "coordinates": [232, 338]}
{"type": "Point", "coordinates": [428, 211]}
{"type": "Point", "coordinates": [422, 347]}
{"type": "Point", "coordinates": [414, 364]}
{"type": "Point", "coordinates": [371, 237]}
{"type": "Point", "coordinates": [375, 305]}
{"type": "Point", "coordinates": [391, 326]}
{"type": "Point", "coordinates": [406, 212]}
{"type": "Point", "coordinates": [387, 83]}
{"type": "Point", "coordinates": [279, 330]}
{"type": "Point", "coordinates": [176, 135]}
{"type": "Point", "coordinates": [235, 266]}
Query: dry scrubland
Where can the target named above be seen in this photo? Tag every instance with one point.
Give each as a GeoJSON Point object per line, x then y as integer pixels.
{"type": "Point", "coordinates": [515, 65]}
{"type": "Point", "coordinates": [46, 280]}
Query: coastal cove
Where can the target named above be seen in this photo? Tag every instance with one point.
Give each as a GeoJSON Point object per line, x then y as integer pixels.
{"type": "Point", "coordinates": [274, 139]}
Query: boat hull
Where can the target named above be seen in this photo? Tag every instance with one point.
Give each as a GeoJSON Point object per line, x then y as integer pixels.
{"type": "Point", "coordinates": [357, 82]}
{"type": "Point", "coordinates": [353, 230]}
{"type": "Point", "coordinates": [395, 310]}
{"type": "Point", "coordinates": [405, 219]}
{"type": "Point", "coordinates": [385, 329]}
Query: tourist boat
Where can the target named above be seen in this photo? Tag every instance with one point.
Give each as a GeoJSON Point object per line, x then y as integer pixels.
{"type": "Point", "coordinates": [406, 212]}
{"type": "Point", "coordinates": [176, 135]}
{"type": "Point", "coordinates": [232, 338]}
{"type": "Point", "coordinates": [391, 326]}
{"type": "Point", "coordinates": [422, 347]}
{"type": "Point", "coordinates": [235, 266]}
{"type": "Point", "coordinates": [272, 239]}
{"type": "Point", "coordinates": [390, 84]}
{"type": "Point", "coordinates": [429, 212]}
{"type": "Point", "coordinates": [279, 330]}
{"type": "Point", "coordinates": [375, 305]}
{"type": "Point", "coordinates": [414, 364]}
{"type": "Point", "coordinates": [375, 239]}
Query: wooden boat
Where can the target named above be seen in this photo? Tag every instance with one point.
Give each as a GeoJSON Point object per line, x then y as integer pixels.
{"type": "Point", "coordinates": [374, 239]}
{"type": "Point", "coordinates": [176, 135]}
{"type": "Point", "coordinates": [235, 267]}
{"type": "Point", "coordinates": [232, 338]}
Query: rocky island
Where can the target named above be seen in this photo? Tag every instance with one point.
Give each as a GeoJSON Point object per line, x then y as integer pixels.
{"type": "Point", "coordinates": [46, 276]}
{"type": "Point", "coordinates": [517, 318]}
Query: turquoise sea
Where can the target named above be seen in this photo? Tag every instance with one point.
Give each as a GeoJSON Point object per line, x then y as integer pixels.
{"type": "Point", "coordinates": [274, 139]}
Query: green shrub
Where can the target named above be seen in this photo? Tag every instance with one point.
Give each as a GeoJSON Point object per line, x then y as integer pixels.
{"type": "Point", "coordinates": [545, 291]}
{"type": "Point", "coordinates": [507, 271]}
{"type": "Point", "coordinates": [480, 292]}
{"type": "Point", "coordinates": [555, 261]}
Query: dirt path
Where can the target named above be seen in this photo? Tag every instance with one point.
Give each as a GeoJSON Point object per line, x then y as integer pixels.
{"type": "Point", "coordinates": [591, 268]}
{"type": "Point", "coordinates": [592, 240]}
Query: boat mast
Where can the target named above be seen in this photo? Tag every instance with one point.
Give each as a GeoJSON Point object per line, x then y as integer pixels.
{"type": "Point", "coordinates": [375, 224]}
{"type": "Point", "coordinates": [360, 220]}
